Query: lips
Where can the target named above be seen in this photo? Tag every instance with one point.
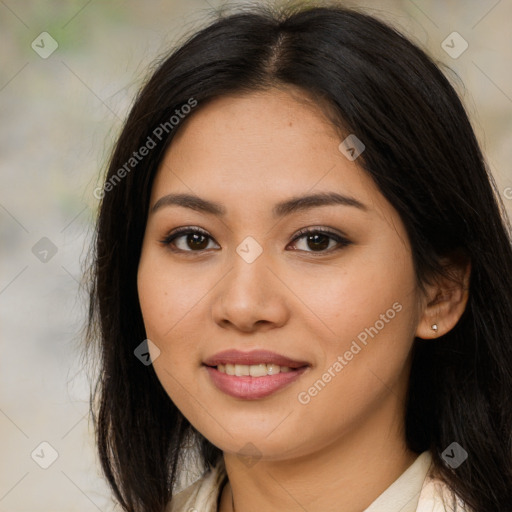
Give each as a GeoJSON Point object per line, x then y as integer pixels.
{"type": "Point", "coordinates": [252, 387]}
{"type": "Point", "coordinates": [252, 358]}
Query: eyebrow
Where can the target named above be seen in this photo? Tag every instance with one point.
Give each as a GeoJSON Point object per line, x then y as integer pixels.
{"type": "Point", "coordinates": [287, 207]}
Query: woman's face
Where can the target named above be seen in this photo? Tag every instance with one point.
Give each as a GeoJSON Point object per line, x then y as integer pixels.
{"type": "Point", "coordinates": [343, 309]}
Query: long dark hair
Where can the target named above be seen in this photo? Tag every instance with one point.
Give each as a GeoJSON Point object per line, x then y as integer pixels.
{"type": "Point", "coordinates": [421, 152]}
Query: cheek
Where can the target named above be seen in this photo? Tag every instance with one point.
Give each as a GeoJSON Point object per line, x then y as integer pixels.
{"type": "Point", "coordinates": [354, 294]}
{"type": "Point", "coordinates": [166, 297]}
{"type": "Point", "coordinates": [369, 313]}
{"type": "Point", "coordinates": [365, 365]}
{"type": "Point", "coordinates": [174, 307]}
{"type": "Point", "coordinates": [166, 302]}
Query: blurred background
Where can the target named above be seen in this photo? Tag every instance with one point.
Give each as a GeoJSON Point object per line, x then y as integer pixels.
{"type": "Point", "coordinates": [68, 73]}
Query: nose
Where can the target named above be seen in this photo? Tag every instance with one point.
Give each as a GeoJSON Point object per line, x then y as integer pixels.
{"type": "Point", "coordinates": [251, 297]}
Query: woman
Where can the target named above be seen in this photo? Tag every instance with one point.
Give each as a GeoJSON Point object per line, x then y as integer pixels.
{"type": "Point", "coordinates": [340, 340]}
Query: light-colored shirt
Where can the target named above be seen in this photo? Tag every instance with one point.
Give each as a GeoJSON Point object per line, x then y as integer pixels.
{"type": "Point", "coordinates": [415, 490]}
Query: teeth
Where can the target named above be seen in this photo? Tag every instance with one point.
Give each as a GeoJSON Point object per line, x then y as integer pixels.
{"type": "Point", "coordinates": [257, 370]}
{"type": "Point", "coordinates": [241, 370]}
{"type": "Point", "coordinates": [254, 370]}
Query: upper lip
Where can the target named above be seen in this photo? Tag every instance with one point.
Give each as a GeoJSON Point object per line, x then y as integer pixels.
{"type": "Point", "coordinates": [252, 357]}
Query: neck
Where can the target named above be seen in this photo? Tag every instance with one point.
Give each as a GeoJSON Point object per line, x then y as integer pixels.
{"type": "Point", "coordinates": [347, 474]}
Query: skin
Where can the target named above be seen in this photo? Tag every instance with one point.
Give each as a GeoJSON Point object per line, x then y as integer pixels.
{"type": "Point", "coordinates": [341, 450]}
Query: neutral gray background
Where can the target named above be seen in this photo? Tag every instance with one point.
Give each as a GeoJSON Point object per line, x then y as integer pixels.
{"type": "Point", "coordinates": [59, 117]}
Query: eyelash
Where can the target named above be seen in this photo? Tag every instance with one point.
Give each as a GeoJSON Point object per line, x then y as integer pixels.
{"type": "Point", "coordinates": [342, 241]}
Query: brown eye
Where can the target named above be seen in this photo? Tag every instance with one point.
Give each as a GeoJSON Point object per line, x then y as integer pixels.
{"type": "Point", "coordinates": [196, 241]}
{"type": "Point", "coordinates": [190, 240]}
{"type": "Point", "coordinates": [318, 240]}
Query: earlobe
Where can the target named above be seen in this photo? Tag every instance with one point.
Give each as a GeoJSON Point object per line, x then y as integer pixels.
{"type": "Point", "coordinates": [431, 328]}
{"type": "Point", "coordinates": [446, 301]}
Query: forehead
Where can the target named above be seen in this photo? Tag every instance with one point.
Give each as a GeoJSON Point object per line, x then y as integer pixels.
{"type": "Point", "coordinates": [266, 144]}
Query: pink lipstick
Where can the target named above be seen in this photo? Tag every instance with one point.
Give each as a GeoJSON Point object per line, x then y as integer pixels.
{"type": "Point", "coordinates": [253, 375]}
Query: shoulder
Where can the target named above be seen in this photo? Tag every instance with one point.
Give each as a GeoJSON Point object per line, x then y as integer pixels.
{"type": "Point", "coordinates": [203, 493]}
{"type": "Point", "coordinates": [436, 496]}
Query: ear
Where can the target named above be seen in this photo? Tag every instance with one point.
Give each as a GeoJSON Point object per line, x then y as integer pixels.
{"type": "Point", "coordinates": [445, 299]}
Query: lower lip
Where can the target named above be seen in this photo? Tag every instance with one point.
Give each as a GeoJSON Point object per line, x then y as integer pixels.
{"type": "Point", "coordinates": [252, 388]}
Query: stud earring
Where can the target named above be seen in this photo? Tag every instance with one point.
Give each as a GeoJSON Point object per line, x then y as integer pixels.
{"type": "Point", "coordinates": [434, 327]}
